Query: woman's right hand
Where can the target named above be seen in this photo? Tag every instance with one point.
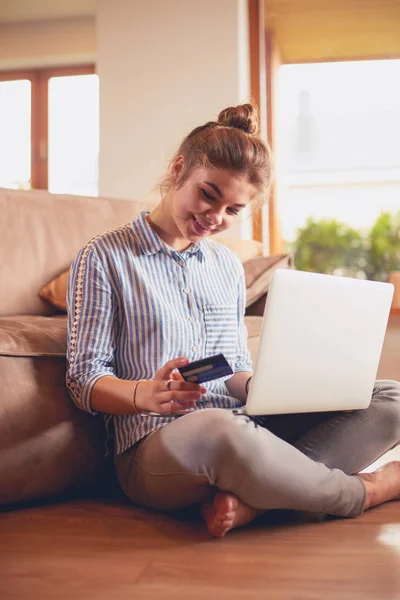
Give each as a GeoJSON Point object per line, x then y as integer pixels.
{"type": "Point", "coordinates": [168, 393]}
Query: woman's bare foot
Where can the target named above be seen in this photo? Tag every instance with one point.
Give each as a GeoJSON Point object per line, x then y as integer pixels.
{"type": "Point", "coordinates": [226, 512]}
{"type": "Point", "coordinates": [382, 485]}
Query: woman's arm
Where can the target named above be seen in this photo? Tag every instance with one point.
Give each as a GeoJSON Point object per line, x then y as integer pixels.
{"type": "Point", "coordinates": [163, 395]}
{"type": "Point", "coordinates": [92, 334]}
{"type": "Point", "coordinates": [114, 396]}
{"type": "Point", "coordinates": [237, 385]}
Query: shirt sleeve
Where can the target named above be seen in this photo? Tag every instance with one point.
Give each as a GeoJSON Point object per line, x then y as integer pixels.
{"type": "Point", "coordinates": [91, 332]}
{"type": "Point", "coordinates": [243, 357]}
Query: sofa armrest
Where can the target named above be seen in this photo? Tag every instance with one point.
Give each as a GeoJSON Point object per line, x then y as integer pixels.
{"type": "Point", "coordinates": [47, 445]}
{"type": "Point", "coordinates": [258, 273]}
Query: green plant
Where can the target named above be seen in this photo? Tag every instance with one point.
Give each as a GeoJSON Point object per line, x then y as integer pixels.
{"type": "Point", "coordinates": [384, 247]}
{"type": "Point", "coordinates": [329, 246]}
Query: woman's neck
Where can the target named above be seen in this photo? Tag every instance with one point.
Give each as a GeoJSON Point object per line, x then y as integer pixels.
{"type": "Point", "coordinates": [162, 222]}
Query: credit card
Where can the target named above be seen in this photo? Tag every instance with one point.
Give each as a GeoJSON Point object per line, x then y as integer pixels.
{"type": "Point", "coordinates": [206, 369]}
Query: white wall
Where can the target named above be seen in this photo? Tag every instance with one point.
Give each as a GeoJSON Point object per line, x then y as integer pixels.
{"type": "Point", "coordinates": [165, 66]}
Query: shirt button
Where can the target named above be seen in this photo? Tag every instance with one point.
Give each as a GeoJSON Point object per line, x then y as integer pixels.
{"type": "Point", "coordinates": [209, 404]}
{"type": "Point", "coordinates": [185, 290]}
{"type": "Point", "coordinates": [182, 262]}
{"type": "Point", "coordinates": [195, 348]}
{"type": "Point", "coordinates": [190, 319]}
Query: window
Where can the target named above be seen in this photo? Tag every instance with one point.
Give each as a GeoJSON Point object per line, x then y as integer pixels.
{"type": "Point", "coordinates": [15, 134]}
{"type": "Point", "coordinates": [339, 166]}
{"type": "Point", "coordinates": [49, 130]}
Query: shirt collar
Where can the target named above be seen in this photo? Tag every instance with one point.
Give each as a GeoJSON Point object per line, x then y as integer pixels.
{"type": "Point", "coordinates": [148, 238]}
{"type": "Point", "coordinates": [151, 242]}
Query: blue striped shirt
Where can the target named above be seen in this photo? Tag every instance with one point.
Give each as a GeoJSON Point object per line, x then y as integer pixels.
{"type": "Point", "coordinates": [135, 303]}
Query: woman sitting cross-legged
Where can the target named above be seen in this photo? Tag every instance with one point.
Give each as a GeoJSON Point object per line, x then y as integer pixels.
{"type": "Point", "coordinates": [158, 292]}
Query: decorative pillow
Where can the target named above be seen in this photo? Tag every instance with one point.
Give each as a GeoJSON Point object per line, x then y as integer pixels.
{"type": "Point", "coordinates": [244, 249]}
{"type": "Point", "coordinates": [258, 274]}
{"type": "Point", "coordinates": [55, 292]}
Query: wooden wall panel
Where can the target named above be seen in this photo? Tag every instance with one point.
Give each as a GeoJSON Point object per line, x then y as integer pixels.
{"type": "Point", "coordinates": [257, 84]}
{"type": "Point", "coordinates": [273, 62]}
{"type": "Point", "coordinates": [321, 30]}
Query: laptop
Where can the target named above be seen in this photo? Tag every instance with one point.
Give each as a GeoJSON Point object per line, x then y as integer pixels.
{"type": "Point", "coordinates": [320, 343]}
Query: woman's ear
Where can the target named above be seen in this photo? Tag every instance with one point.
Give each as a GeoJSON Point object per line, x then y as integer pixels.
{"type": "Point", "coordinates": [177, 169]}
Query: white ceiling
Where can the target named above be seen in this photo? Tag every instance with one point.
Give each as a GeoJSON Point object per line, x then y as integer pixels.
{"type": "Point", "coordinates": [30, 10]}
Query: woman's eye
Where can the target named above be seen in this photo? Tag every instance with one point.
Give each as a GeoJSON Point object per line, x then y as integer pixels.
{"type": "Point", "coordinates": [206, 194]}
{"type": "Point", "coordinates": [231, 211]}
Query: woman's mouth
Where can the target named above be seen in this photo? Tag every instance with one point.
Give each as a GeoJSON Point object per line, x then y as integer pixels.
{"type": "Point", "coordinates": [199, 228]}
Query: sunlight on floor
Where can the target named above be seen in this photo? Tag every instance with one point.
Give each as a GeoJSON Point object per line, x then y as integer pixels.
{"type": "Point", "coordinates": [390, 536]}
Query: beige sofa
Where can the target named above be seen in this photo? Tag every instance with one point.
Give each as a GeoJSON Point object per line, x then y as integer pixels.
{"type": "Point", "coordinates": [47, 446]}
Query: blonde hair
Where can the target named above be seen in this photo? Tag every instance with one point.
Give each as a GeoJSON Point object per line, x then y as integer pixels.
{"type": "Point", "coordinates": [232, 142]}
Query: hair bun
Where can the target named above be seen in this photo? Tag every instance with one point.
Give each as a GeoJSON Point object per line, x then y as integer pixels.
{"type": "Point", "coordinates": [244, 117]}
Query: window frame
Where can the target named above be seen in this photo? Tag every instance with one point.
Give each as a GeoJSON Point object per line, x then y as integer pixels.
{"type": "Point", "coordinates": [39, 79]}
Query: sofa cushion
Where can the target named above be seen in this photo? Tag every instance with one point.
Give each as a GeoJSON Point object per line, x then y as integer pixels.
{"type": "Point", "coordinates": [47, 445]}
{"type": "Point", "coordinates": [244, 249]}
{"type": "Point", "coordinates": [41, 233]}
{"type": "Point", "coordinates": [258, 274]}
{"type": "Point", "coordinates": [253, 325]}
{"type": "Point", "coordinates": [33, 335]}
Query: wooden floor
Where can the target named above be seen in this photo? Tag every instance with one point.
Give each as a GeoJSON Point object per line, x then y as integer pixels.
{"type": "Point", "coordinates": [110, 550]}
{"type": "Point", "coordinates": [84, 550]}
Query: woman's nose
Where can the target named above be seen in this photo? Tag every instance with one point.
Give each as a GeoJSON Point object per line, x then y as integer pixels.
{"type": "Point", "coordinates": [214, 218]}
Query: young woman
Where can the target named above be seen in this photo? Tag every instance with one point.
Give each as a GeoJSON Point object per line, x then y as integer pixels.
{"type": "Point", "coordinates": [157, 293]}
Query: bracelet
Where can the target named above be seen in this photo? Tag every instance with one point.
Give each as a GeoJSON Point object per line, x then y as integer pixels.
{"type": "Point", "coordinates": [246, 387]}
{"type": "Point", "coordinates": [143, 414]}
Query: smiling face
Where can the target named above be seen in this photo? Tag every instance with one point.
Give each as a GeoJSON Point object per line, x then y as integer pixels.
{"type": "Point", "coordinates": [208, 203]}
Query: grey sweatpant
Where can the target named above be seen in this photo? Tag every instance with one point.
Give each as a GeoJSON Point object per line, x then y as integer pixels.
{"type": "Point", "coordinates": [303, 462]}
